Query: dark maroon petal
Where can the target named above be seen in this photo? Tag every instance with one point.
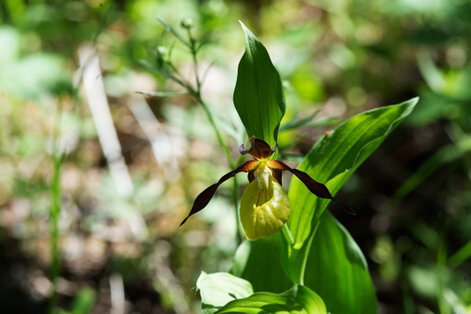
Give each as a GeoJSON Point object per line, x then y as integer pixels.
{"type": "Point", "coordinates": [345, 208]}
{"type": "Point", "coordinates": [315, 187]}
{"type": "Point", "coordinates": [259, 150]}
{"type": "Point", "coordinates": [203, 199]}
{"type": "Point", "coordinates": [277, 175]}
{"type": "Point", "coordinates": [251, 176]}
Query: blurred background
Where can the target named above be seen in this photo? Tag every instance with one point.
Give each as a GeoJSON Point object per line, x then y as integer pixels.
{"type": "Point", "coordinates": [77, 134]}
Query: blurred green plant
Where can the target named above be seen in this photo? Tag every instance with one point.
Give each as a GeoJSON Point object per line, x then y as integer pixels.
{"type": "Point", "coordinates": [446, 97]}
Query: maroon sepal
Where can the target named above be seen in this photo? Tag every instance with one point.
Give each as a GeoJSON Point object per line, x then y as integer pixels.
{"type": "Point", "coordinates": [316, 188]}
{"type": "Point", "coordinates": [259, 150]}
{"type": "Point", "coordinates": [204, 197]}
{"type": "Point", "coordinates": [277, 175]}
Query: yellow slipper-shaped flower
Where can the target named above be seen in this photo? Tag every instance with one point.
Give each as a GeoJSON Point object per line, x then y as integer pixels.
{"type": "Point", "coordinates": [264, 206]}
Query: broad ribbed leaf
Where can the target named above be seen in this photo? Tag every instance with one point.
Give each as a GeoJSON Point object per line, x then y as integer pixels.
{"type": "Point", "coordinates": [336, 268]}
{"type": "Point", "coordinates": [260, 263]}
{"type": "Point", "coordinates": [338, 272]}
{"type": "Point", "coordinates": [296, 300]}
{"type": "Point", "coordinates": [332, 160]}
{"type": "Point", "coordinates": [258, 94]}
{"type": "Point", "coordinates": [220, 288]}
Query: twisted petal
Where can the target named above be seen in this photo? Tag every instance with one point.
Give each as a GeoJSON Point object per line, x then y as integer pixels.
{"type": "Point", "coordinates": [315, 187]}
{"type": "Point", "coordinates": [204, 197]}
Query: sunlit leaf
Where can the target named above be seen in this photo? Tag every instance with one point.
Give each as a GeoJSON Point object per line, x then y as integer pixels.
{"type": "Point", "coordinates": [337, 270]}
{"type": "Point", "coordinates": [332, 160]}
{"type": "Point", "coordinates": [220, 288]}
{"type": "Point", "coordinates": [296, 300]}
{"type": "Point", "coordinates": [258, 95]}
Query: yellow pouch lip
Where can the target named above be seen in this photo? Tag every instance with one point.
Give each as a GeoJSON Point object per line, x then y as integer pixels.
{"type": "Point", "coordinates": [264, 206]}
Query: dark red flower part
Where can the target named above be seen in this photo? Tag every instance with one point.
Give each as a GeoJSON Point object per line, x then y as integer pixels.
{"type": "Point", "coordinates": [261, 151]}
{"type": "Point", "coordinates": [316, 188]}
{"type": "Point", "coordinates": [204, 197]}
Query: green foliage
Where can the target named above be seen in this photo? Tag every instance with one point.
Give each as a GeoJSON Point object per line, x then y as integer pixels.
{"type": "Point", "coordinates": [443, 156]}
{"type": "Point", "coordinates": [258, 94]}
{"type": "Point", "coordinates": [337, 270]}
{"type": "Point", "coordinates": [32, 76]}
{"type": "Point", "coordinates": [333, 159]}
{"type": "Point", "coordinates": [220, 288]}
{"type": "Point", "coordinates": [251, 263]}
{"type": "Point", "coordinates": [296, 300]}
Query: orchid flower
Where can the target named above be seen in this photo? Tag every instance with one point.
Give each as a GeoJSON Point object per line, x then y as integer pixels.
{"type": "Point", "coordinates": [264, 206]}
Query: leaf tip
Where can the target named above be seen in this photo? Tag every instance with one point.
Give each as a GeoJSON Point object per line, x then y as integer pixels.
{"type": "Point", "coordinates": [414, 100]}
{"type": "Point", "coordinates": [246, 30]}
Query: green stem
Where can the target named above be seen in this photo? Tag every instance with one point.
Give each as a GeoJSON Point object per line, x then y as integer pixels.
{"type": "Point", "coordinates": [235, 200]}
{"type": "Point", "coordinates": [197, 94]}
{"type": "Point", "coordinates": [216, 130]}
{"type": "Point", "coordinates": [55, 211]}
{"type": "Point", "coordinates": [54, 218]}
{"type": "Point", "coordinates": [195, 59]}
{"type": "Point", "coordinates": [287, 234]}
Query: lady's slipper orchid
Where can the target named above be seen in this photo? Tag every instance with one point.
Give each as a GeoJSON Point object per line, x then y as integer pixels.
{"type": "Point", "coordinates": [264, 206]}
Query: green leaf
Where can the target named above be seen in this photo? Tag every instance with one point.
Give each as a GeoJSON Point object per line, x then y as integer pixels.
{"type": "Point", "coordinates": [444, 155]}
{"type": "Point", "coordinates": [220, 288]}
{"type": "Point", "coordinates": [174, 32]}
{"type": "Point", "coordinates": [460, 256]}
{"type": "Point", "coordinates": [258, 94]}
{"type": "Point", "coordinates": [338, 272]}
{"type": "Point", "coordinates": [296, 300]}
{"type": "Point", "coordinates": [164, 73]}
{"type": "Point", "coordinates": [308, 122]}
{"type": "Point", "coordinates": [336, 268]}
{"type": "Point", "coordinates": [332, 160]}
{"type": "Point", "coordinates": [297, 123]}
{"type": "Point", "coordinates": [163, 94]}
{"type": "Point", "coordinates": [260, 263]}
